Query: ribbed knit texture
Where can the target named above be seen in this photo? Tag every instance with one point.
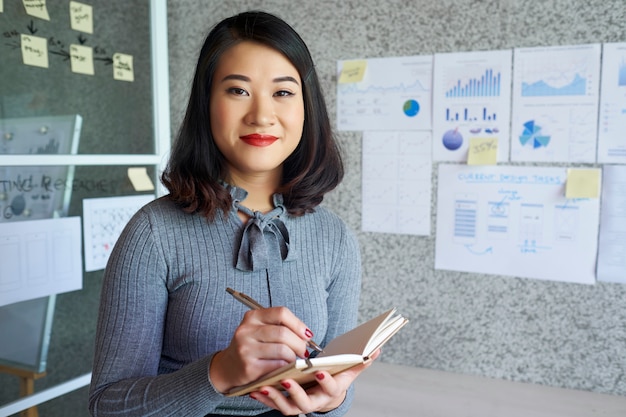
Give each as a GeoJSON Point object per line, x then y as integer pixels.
{"type": "Point", "coordinates": [165, 311]}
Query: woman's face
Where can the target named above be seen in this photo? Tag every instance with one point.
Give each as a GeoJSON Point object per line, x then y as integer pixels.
{"type": "Point", "coordinates": [256, 110]}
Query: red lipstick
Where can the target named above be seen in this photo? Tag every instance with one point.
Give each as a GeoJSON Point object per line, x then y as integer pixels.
{"type": "Point", "coordinates": [257, 139]}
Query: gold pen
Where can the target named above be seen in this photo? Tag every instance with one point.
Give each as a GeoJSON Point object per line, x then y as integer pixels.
{"type": "Point", "coordinates": [252, 304]}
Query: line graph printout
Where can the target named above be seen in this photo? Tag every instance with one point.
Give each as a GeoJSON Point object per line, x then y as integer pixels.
{"type": "Point", "coordinates": [612, 120]}
{"type": "Point", "coordinates": [514, 221]}
{"type": "Point", "coordinates": [394, 94]}
{"type": "Point", "coordinates": [555, 103]}
{"type": "Point", "coordinates": [396, 181]}
{"type": "Point", "coordinates": [471, 99]}
{"type": "Point", "coordinates": [103, 222]}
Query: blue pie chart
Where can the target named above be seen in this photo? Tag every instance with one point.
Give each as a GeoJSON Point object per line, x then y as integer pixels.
{"type": "Point", "coordinates": [532, 136]}
{"type": "Point", "coordinates": [411, 108]}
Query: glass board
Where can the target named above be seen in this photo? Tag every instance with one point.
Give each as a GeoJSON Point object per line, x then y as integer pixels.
{"type": "Point", "coordinates": [72, 125]}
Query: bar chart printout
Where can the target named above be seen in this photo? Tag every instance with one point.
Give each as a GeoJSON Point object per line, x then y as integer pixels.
{"type": "Point", "coordinates": [488, 85]}
{"type": "Point", "coordinates": [471, 99]}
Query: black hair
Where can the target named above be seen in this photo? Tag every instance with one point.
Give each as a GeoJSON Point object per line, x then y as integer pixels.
{"type": "Point", "coordinates": [196, 166]}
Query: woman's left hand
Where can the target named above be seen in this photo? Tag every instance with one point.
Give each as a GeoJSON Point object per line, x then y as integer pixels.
{"type": "Point", "coordinates": [326, 395]}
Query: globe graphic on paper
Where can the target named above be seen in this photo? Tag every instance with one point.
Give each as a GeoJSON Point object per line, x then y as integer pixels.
{"type": "Point", "coordinates": [452, 139]}
{"type": "Point", "coordinates": [411, 108]}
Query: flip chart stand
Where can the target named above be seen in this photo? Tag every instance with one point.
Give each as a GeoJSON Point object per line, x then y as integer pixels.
{"type": "Point", "coordinates": [27, 385]}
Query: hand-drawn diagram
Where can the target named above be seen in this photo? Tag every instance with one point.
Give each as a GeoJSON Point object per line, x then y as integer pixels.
{"type": "Point", "coordinates": [514, 221]}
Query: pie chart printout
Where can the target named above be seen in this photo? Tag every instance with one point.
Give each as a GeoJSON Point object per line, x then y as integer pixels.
{"type": "Point", "coordinates": [411, 108]}
{"type": "Point", "coordinates": [532, 136]}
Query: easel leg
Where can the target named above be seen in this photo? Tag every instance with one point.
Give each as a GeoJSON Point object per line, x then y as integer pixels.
{"type": "Point", "coordinates": [27, 387]}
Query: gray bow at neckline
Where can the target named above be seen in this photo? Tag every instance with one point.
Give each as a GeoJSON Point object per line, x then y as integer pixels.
{"type": "Point", "coordinates": [256, 240]}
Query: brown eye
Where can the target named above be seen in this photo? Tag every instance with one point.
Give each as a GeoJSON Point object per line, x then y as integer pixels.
{"type": "Point", "coordinates": [238, 91]}
{"type": "Point", "coordinates": [283, 93]}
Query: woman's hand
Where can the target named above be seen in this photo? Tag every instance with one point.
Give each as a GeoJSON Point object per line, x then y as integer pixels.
{"type": "Point", "coordinates": [265, 340]}
{"type": "Point", "coordinates": [327, 395]}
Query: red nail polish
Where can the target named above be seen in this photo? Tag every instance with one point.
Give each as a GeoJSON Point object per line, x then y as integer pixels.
{"type": "Point", "coordinates": [308, 333]}
{"type": "Point", "coordinates": [319, 376]}
{"type": "Point", "coordinates": [264, 392]}
{"type": "Point", "coordinates": [306, 354]}
{"type": "Point", "coordinates": [285, 384]}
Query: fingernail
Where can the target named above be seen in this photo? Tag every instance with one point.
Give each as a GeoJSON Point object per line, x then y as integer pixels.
{"type": "Point", "coordinates": [308, 333]}
{"type": "Point", "coordinates": [286, 385]}
{"type": "Point", "coordinates": [306, 354]}
{"type": "Point", "coordinates": [319, 376]}
{"type": "Point", "coordinates": [264, 392]}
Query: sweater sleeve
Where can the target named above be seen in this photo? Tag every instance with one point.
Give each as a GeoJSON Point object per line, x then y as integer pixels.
{"type": "Point", "coordinates": [129, 338]}
{"type": "Point", "coordinates": [343, 301]}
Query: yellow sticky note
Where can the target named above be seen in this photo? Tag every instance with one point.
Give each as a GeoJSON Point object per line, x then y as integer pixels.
{"type": "Point", "coordinates": [81, 59]}
{"type": "Point", "coordinates": [34, 51]}
{"type": "Point", "coordinates": [36, 8]}
{"type": "Point", "coordinates": [123, 67]}
{"type": "Point", "coordinates": [582, 183]}
{"type": "Point", "coordinates": [482, 151]}
{"type": "Point", "coordinates": [352, 72]}
{"type": "Point", "coordinates": [81, 17]}
{"type": "Point", "coordinates": [140, 179]}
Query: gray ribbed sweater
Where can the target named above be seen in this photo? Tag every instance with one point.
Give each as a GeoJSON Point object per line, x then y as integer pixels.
{"type": "Point", "coordinates": [164, 310]}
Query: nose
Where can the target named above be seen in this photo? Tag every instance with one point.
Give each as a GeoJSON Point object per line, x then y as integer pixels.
{"type": "Point", "coordinates": [261, 111]}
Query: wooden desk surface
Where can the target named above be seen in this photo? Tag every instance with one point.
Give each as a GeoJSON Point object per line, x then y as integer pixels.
{"type": "Point", "coordinates": [386, 390]}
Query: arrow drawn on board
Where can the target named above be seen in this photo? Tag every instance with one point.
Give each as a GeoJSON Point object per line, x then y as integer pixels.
{"type": "Point", "coordinates": [14, 45]}
{"type": "Point", "coordinates": [31, 27]}
{"type": "Point", "coordinates": [107, 61]}
{"type": "Point", "coordinates": [485, 251]}
{"type": "Point", "coordinates": [56, 46]}
{"type": "Point", "coordinates": [64, 54]}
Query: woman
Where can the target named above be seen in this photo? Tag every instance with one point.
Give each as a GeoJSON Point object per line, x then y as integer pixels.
{"type": "Point", "coordinates": [252, 161]}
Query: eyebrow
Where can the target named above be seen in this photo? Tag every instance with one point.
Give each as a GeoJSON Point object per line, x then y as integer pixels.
{"type": "Point", "coordinates": [247, 79]}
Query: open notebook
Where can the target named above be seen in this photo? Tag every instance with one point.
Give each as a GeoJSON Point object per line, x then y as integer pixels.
{"type": "Point", "coordinates": [345, 351]}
